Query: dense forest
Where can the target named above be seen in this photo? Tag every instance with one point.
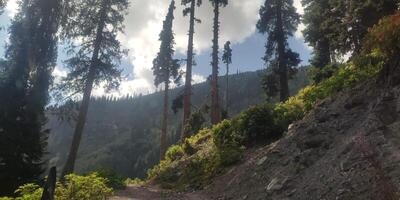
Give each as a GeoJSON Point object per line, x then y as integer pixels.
{"type": "Point", "coordinates": [328, 130]}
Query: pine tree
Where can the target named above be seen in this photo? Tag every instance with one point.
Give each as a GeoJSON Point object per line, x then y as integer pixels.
{"type": "Point", "coordinates": [30, 60]}
{"type": "Point", "coordinates": [279, 20]}
{"type": "Point", "coordinates": [227, 59]}
{"type": "Point", "coordinates": [2, 5]}
{"type": "Point", "coordinates": [187, 102]}
{"type": "Point", "coordinates": [166, 68]}
{"type": "Point", "coordinates": [319, 27]}
{"type": "Point", "coordinates": [215, 104]}
{"type": "Point", "coordinates": [95, 24]}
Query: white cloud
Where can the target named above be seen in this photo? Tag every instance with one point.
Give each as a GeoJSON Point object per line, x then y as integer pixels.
{"type": "Point", "coordinates": [58, 72]}
{"type": "Point", "coordinates": [198, 78]}
{"type": "Point", "coordinates": [12, 8]}
{"type": "Point", "coordinates": [144, 23]}
{"type": "Point", "coordinates": [300, 10]}
{"type": "Point", "coordinates": [299, 6]}
{"type": "Point", "coordinates": [127, 87]}
{"type": "Point", "coordinates": [299, 33]}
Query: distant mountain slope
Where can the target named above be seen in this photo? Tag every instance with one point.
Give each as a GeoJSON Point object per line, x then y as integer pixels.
{"type": "Point", "coordinates": [123, 134]}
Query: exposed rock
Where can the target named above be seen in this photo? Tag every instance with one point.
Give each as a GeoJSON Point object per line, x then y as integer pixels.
{"type": "Point", "coordinates": [262, 160]}
{"type": "Point", "coordinates": [277, 184]}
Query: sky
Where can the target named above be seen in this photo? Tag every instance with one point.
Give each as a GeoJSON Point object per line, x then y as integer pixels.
{"type": "Point", "coordinates": [144, 23]}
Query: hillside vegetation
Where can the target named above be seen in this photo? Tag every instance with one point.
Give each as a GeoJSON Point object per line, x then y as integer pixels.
{"type": "Point", "coordinates": [347, 117]}
{"type": "Point", "coordinates": [123, 134]}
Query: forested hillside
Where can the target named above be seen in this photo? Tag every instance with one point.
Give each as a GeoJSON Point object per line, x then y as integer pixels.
{"type": "Point", "coordinates": [321, 121]}
{"type": "Point", "coordinates": [122, 134]}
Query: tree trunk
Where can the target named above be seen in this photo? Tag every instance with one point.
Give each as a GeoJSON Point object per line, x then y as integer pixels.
{"type": "Point", "coordinates": [187, 102]}
{"type": "Point", "coordinates": [215, 109]}
{"type": "Point", "coordinates": [70, 164]}
{"type": "Point", "coordinates": [163, 137]}
{"type": "Point", "coordinates": [227, 89]}
{"type": "Point", "coordinates": [50, 185]}
{"type": "Point", "coordinates": [283, 71]}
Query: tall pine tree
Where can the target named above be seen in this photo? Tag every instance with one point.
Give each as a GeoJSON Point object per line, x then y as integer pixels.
{"type": "Point", "coordinates": [187, 96]}
{"type": "Point", "coordinates": [95, 24]}
{"type": "Point", "coordinates": [2, 5]}
{"type": "Point", "coordinates": [279, 20]}
{"type": "Point", "coordinates": [30, 60]}
{"type": "Point", "coordinates": [166, 68]}
{"type": "Point", "coordinates": [319, 27]}
{"type": "Point", "coordinates": [215, 104]}
{"type": "Point", "coordinates": [227, 59]}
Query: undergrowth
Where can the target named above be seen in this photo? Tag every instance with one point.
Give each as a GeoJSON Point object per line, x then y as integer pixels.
{"type": "Point", "coordinates": [90, 187]}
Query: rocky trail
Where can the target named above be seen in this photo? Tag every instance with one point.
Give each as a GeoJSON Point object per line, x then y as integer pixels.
{"type": "Point", "coordinates": [154, 193]}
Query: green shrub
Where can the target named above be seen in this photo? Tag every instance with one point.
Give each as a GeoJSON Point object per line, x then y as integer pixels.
{"type": "Point", "coordinates": [257, 125]}
{"type": "Point", "coordinates": [228, 156]}
{"type": "Point", "coordinates": [228, 142]}
{"type": "Point", "coordinates": [195, 142]}
{"type": "Point", "coordinates": [174, 152]}
{"type": "Point", "coordinates": [29, 192]}
{"type": "Point", "coordinates": [199, 170]}
{"type": "Point", "coordinates": [162, 172]}
{"type": "Point", "coordinates": [224, 135]}
{"type": "Point", "coordinates": [165, 174]}
{"type": "Point", "coordinates": [286, 113]}
{"type": "Point", "coordinates": [113, 179]}
{"type": "Point", "coordinates": [320, 73]}
{"type": "Point", "coordinates": [135, 181]}
{"type": "Point", "coordinates": [90, 187]}
{"type": "Point", "coordinates": [195, 122]}
{"type": "Point", "coordinates": [384, 38]}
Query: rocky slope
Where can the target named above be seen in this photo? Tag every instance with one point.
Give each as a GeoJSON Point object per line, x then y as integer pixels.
{"type": "Point", "coordinates": [348, 147]}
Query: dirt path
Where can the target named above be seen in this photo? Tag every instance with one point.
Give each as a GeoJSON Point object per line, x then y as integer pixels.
{"type": "Point", "coordinates": [152, 193]}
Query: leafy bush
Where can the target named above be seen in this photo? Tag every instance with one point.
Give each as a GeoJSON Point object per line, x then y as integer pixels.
{"type": "Point", "coordinates": [320, 73]}
{"type": "Point", "coordinates": [113, 179]}
{"type": "Point", "coordinates": [193, 170]}
{"type": "Point", "coordinates": [228, 142]}
{"type": "Point", "coordinates": [194, 143]}
{"type": "Point", "coordinates": [29, 192]}
{"type": "Point", "coordinates": [90, 187]}
{"type": "Point", "coordinates": [257, 125]}
{"type": "Point", "coordinates": [382, 49]}
{"type": "Point", "coordinates": [175, 152]}
{"type": "Point", "coordinates": [384, 37]}
{"type": "Point", "coordinates": [224, 135]}
{"type": "Point", "coordinates": [195, 123]}
{"type": "Point", "coordinates": [286, 113]}
{"type": "Point", "coordinates": [135, 181]}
